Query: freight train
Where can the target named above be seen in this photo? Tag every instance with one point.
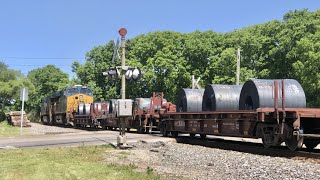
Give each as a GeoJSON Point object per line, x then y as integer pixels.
{"type": "Point", "coordinates": [273, 110]}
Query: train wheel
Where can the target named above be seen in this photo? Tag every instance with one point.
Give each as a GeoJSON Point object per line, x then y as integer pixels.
{"type": "Point", "coordinates": [147, 130]}
{"type": "Point", "coordinates": [141, 130]}
{"type": "Point", "coordinates": [192, 134]}
{"type": "Point", "coordinates": [295, 142]}
{"type": "Point", "coordinates": [270, 140]}
{"type": "Point", "coordinates": [165, 132]}
{"type": "Point", "coordinates": [75, 125]}
{"type": "Point", "coordinates": [311, 144]}
{"type": "Point", "coordinates": [264, 142]}
{"type": "Point", "coordinates": [174, 134]}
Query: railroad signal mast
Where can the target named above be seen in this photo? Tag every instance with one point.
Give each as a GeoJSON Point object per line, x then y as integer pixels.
{"type": "Point", "coordinates": [124, 108]}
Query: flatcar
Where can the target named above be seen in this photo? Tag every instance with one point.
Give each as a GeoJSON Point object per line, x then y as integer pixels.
{"type": "Point", "coordinates": [268, 109]}
{"type": "Point", "coordinates": [145, 118]}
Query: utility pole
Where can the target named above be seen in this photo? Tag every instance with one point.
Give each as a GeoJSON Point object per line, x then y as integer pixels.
{"type": "Point", "coordinates": [238, 66]}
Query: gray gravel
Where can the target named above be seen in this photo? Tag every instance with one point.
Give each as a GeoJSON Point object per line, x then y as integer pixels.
{"type": "Point", "coordinates": [37, 129]}
{"type": "Point", "coordinates": [181, 161]}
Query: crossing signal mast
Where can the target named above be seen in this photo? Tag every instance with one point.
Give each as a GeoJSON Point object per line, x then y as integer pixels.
{"type": "Point", "coordinates": [124, 105]}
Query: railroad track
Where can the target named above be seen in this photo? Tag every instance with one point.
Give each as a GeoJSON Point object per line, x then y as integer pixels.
{"type": "Point", "coordinates": [254, 148]}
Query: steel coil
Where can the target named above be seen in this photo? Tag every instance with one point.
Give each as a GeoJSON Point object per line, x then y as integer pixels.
{"type": "Point", "coordinates": [87, 108]}
{"type": "Point", "coordinates": [113, 105]}
{"type": "Point", "coordinates": [221, 97]}
{"type": "Point", "coordinates": [259, 93]}
{"type": "Point", "coordinates": [189, 100]}
{"type": "Point", "coordinates": [97, 107]}
{"type": "Point", "coordinates": [81, 109]}
{"type": "Point", "coordinates": [144, 103]}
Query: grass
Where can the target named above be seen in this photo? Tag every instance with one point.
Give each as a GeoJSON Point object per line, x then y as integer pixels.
{"type": "Point", "coordinates": [7, 130]}
{"type": "Point", "coordinates": [84, 162]}
{"type": "Point", "coordinates": [122, 155]}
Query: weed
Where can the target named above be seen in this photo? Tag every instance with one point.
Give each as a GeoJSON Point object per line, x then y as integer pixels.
{"type": "Point", "coordinates": [149, 170]}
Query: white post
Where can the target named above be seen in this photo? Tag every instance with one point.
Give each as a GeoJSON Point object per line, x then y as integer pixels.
{"type": "Point", "coordinates": [22, 109]}
{"type": "Point", "coordinates": [238, 67]}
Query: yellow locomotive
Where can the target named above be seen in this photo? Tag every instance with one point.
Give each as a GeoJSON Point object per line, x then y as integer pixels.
{"type": "Point", "coordinates": [59, 107]}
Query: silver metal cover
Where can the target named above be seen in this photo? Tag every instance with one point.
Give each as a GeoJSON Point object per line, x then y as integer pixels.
{"type": "Point", "coordinates": [221, 97]}
{"type": "Point", "coordinates": [259, 93]}
{"type": "Point", "coordinates": [190, 100]}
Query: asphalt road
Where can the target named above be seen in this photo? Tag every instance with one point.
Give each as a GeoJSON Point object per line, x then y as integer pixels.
{"type": "Point", "coordinates": [75, 139]}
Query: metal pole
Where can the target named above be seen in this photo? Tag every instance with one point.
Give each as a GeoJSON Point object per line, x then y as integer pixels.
{"type": "Point", "coordinates": [123, 81]}
{"type": "Point", "coordinates": [123, 63]}
{"type": "Point", "coordinates": [238, 67]}
{"type": "Point", "coordinates": [122, 132]}
{"type": "Point", "coordinates": [22, 109]}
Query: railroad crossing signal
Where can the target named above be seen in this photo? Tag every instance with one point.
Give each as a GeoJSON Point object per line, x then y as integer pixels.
{"type": "Point", "coordinates": [112, 72]}
{"type": "Point", "coordinates": [130, 72]}
{"type": "Point", "coordinates": [116, 55]}
{"type": "Point", "coordinates": [127, 72]}
{"type": "Point", "coordinates": [133, 73]}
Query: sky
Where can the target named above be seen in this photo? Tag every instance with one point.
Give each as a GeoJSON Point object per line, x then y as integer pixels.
{"type": "Point", "coordinates": [36, 33]}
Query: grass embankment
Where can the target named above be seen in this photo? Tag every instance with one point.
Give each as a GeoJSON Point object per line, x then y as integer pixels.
{"type": "Point", "coordinates": [7, 130]}
{"type": "Point", "coordinates": [65, 163]}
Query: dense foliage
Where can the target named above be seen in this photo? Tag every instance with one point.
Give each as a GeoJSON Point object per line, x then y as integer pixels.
{"type": "Point", "coordinates": [40, 83]}
{"type": "Point", "coordinates": [10, 83]}
{"type": "Point", "coordinates": [46, 80]}
{"type": "Point", "coordinates": [276, 49]}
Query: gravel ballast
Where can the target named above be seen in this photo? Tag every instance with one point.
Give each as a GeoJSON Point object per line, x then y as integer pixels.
{"type": "Point", "coordinates": [176, 161]}
{"type": "Point", "coordinates": [38, 129]}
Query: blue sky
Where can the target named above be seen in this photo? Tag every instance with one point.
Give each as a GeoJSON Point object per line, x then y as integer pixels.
{"type": "Point", "coordinates": [36, 33]}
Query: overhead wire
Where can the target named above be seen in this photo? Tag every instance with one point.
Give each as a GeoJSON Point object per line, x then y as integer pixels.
{"type": "Point", "coordinates": [63, 58]}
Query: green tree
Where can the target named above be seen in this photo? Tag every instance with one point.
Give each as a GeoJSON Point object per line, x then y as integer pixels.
{"type": "Point", "coordinates": [274, 50]}
{"type": "Point", "coordinates": [11, 82]}
{"type": "Point", "coordinates": [46, 80]}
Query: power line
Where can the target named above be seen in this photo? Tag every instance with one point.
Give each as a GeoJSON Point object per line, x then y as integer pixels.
{"type": "Point", "coordinates": [62, 58]}
{"type": "Point", "coordinates": [36, 65]}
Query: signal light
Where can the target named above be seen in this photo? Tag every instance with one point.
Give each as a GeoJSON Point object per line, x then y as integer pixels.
{"type": "Point", "coordinates": [112, 72]}
{"type": "Point", "coordinates": [130, 73]}
{"type": "Point", "coordinates": [133, 73]}
{"type": "Point", "coordinates": [136, 74]}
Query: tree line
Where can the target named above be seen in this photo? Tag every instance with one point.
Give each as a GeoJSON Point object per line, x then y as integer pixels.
{"type": "Point", "coordinates": [274, 50]}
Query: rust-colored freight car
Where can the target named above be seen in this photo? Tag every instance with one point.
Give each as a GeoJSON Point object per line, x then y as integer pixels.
{"type": "Point", "coordinates": [294, 126]}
